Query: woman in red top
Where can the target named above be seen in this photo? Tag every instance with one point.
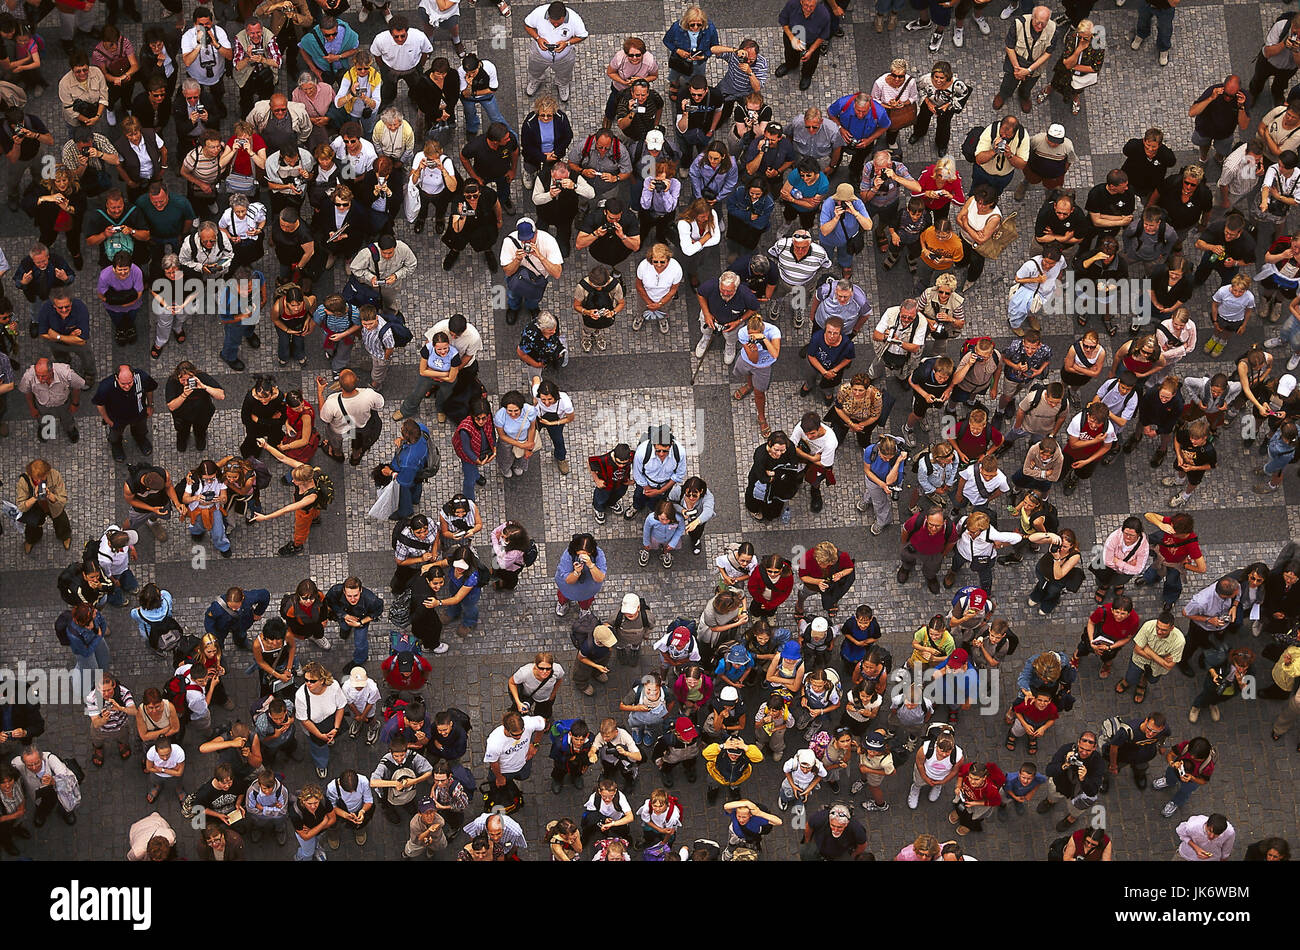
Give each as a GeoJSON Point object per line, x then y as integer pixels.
{"type": "Point", "coordinates": [1110, 628]}
{"type": "Point", "coordinates": [249, 163]}
{"type": "Point", "coordinates": [1142, 356]}
{"type": "Point", "coordinates": [300, 436]}
{"type": "Point", "coordinates": [769, 585]}
{"type": "Point", "coordinates": [1088, 844]}
{"type": "Point", "coordinates": [941, 187]}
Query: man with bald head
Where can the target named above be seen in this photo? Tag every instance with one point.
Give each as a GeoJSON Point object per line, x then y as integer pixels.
{"type": "Point", "coordinates": [125, 401]}
{"type": "Point", "coordinates": [352, 413]}
{"type": "Point", "coordinates": [52, 389]}
{"type": "Point", "coordinates": [1029, 45]}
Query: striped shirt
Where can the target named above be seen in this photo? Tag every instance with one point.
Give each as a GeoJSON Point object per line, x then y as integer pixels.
{"type": "Point", "coordinates": [206, 168]}
{"type": "Point", "coordinates": [735, 82]}
{"type": "Point", "coordinates": [796, 273]}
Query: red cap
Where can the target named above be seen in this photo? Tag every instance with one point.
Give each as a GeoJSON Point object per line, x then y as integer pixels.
{"type": "Point", "coordinates": [685, 729]}
{"type": "Point", "coordinates": [681, 638]}
{"type": "Point", "coordinates": [958, 658]}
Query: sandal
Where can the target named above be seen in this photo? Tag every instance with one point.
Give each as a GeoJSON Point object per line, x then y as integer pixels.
{"type": "Point", "coordinates": [742, 392]}
{"type": "Point", "coordinates": [180, 337]}
{"type": "Point", "coordinates": [1104, 672]}
{"type": "Point", "coordinates": [962, 830]}
{"type": "Point", "coordinates": [1110, 327]}
{"type": "Point", "coordinates": [97, 757]}
{"type": "Point", "coordinates": [504, 8]}
{"type": "Point", "coordinates": [1031, 747]}
{"type": "Point", "coordinates": [1100, 595]}
{"type": "Point", "coordinates": [1140, 692]}
{"type": "Point", "coordinates": [1081, 321]}
{"type": "Point", "coordinates": [1011, 742]}
{"type": "Point", "coordinates": [155, 351]}
{"type": "Point", "coordinates": [123, 751]}
{"type": "Point", "coordinates": [1074, 107]}
{"type": "Point", "coordinates": [764, 429]}
{"type": "Point", "coordinates": [1121, 687]}
{"type": "Point", "coordinates": [153, 795]}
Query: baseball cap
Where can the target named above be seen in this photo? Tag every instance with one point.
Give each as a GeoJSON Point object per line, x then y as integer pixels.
{"type": "Point", "coordinates": [728, 694]}
{"type": "Point", "coordinates": [604, 635]}
{"type": "Point", "coordinates": [806, 757]}
{"type": "Point", "coordinates": [685, 729]}
{"type": "Point", "coordinates": [873, 742]}
{"type": "Point", "coordinates": [1056, 132]}
{"type": "Point", "coordinates": [426, 806]}
{"type": "Point", "coordinates": [631, 604]}
{"type": "Point", "coordinates": [790, 650]}
{"type": "Point", "coordinates": [654, 140]}
{"type": "Point", "coordinates": [1286, 385]}
{"type": "Point", "coordinates": [526, 230]}
{"type": "Point", "coordinates": [681, 638]}
{"type": "Point", "coordinates": [358, 677]}
{"type": "Point", "coordinates": [958, 658]}
{"type": "Point", "coordinates": [819, 625]}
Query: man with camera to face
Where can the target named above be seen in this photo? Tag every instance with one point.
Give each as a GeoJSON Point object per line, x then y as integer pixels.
{"type": "Point", "coordinates": [205, 50]}
{"type": "Point", "coordinates": [1278, 58]}
{"type": "Point", "coordinates": [1075, 774]}
{"type": "Point", "coordinates": [610, 234]}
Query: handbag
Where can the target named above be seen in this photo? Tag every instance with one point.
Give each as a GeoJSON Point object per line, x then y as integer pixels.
{"type": "Point", "coordinates": [681, 65]}
{"type": "Point", "coordinates": [1084, 80]}
{"type": "Point", "coordinates": [359, 294]}
{"type": "Point", "coordinates": [902, 116]}
{"type": "Point", "coordinates": [1002, 238]}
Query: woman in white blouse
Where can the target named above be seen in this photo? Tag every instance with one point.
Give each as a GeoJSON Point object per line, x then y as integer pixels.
{"type": "Point", "coordinates": [697, 229]}
{"type": "Point", "coordinates": [243, 224]}
{"type": "Point", "coordinates": [897, 91]}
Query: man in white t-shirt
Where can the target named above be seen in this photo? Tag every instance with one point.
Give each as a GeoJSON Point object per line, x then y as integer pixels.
{"type": "Point", "coordinates": [362, 694]}
{"type": "Point", "coordinates": [814, 443]}
{"type": "Point", "coordinates": [511, 747]}
{"type": "Point", "coordinates": [555, 31]}
{"type": "Point", "coordinates": [981, 482]}
{"type": "Point", "coordinates": [803, 773]}
{"type": "Point", "coordinates": [205, 50]}
{"type": "Point", "coordinates": [658, 278]}
{"type": "Point", "coordinates": [401, 52]}
{"type": "Point", "coordinates": [902, 331]}
{"type": "Point", "coordinates": [349, 414]}
{"type": "Point", "coordinates": [165, 764]}
{"type": "Point", "coordinates": [444, 15]}
{"type": "Point", "coordinates": [530, 259]}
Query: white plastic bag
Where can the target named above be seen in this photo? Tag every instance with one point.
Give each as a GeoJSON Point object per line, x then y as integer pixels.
{"type": "Point", "coordinates": [386, 503]}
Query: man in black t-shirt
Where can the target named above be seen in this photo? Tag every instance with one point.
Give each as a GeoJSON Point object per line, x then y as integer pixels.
{"type": "Point", "coordinates": [29, 133]}
{"type": "Point", "coordinates": [1110, 207]}
{"type": "Point", "coordinates": [700, 112]}
{"type": "Point", "coordinates": [1228, 247]}
{"type": "Point", "coordinates": [195, 409]}
{"type": "Point", "coordinates": [152, 497]}
{"type": "Point", "coordinates": [1060, 222]}
{"type": "Point", "coordinates": [610, 233]}
{"type": "Point", "coordinates": [493, 159]}
{"type": "Point", "coordinates": [1184, 198]}
{"type": "Point", "coordinates": [294, 247]}
{"type": "Point", "coordinates": [219, 798]}
{"type": "Point", "coordinates": [833, 835]}
{"type": "Point", "coordinates": [125, 401]}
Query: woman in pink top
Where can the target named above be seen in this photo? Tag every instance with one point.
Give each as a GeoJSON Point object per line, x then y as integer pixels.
{"type": "Point", "coordinates": [924, 848]}
{"type": "Point", "coordinates": [1124, 555]}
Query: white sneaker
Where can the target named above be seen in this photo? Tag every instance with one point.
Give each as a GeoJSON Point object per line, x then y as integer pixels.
{"type": "Point", "coordinates": [1256, 627]}
{"type": "Point", "coordinates": [441, 648]}
{"type": "Point", "coordinates": [564, 93]}
{"type": "Point", "coordinates": [323, 643]}
{"type": "Point", "coordinates": [1179, 500]}
{"type": "Point", "coordinates": [561, 608]}
{"type": "Point", "coordinates": [983, 24]}
{"type": "Point", "coordinates": [1160, 782]}
{"type": "Point", "coordinates": [363, 15]}
{"type": "Point", "coordinates": [1193, 714]}
{"type": "Point", "coordinates": [936, 40]}
{"type": "Point", "coordinates": [1136, 44]}
{"type": "Point", "coordinates": [913, 797]}
{"type": "Point", "coordinates": [638, 321]}
{"type": "Point", "coordinates": [1120, 3]}
{"type": "Point", "coordinates": [531, 88]}
{"type": "Point", "coordinates": [1169, 810]}
{"type": "Point", "coordinates": [1273, 342]}
{"type": "Point", "coordinates": [1293, 362]}
{"type": "Point", "coordinates": [959, 37]}
{"type": "Point", "coordinates": [935, 792]}
{"type": "Point", "coordinates": [1164, 58]}
{"type": "Point", "coordinates": [702, 347]}
{"type": "Point", "coordinates": [663, 324]}
{"type": "Point", "coordinates": [729, 354]}
{"type": "Point", "coordinates": [1214, 712]}
{"type": "Point", "coordinates": [1009, 9]}
{"type": "Point", "coordinates": [915, 26]}
{"type": "Point", "coordinates": [388, 14]}
{"type": "Point", "coordinates": [110, 118]}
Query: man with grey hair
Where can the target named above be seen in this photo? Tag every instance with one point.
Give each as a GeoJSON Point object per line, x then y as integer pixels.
{"type": "Point", "coordinates": [1029, 44]}
{"type": "Point", "coordinates": [883, 184]}
{"type": "Point", "coordinates": [256, 60]}
{"type": "Point", "coordinates": [799, 259]}
{"type": "Point", "coordinates": [815, 138]}
{"type": "Point", "coordinates": [206, 252]}
{"type": "Point", "coordinates": [505, 836]}
{"type": "Point", "coordinates": [386, 271]}
{"type": "Point", "coordinates": [726, 305]}
{"type": "Point", "coordinates": [281, 123]}
{"type": "Point", "coordinates": [843, 299]}
{"type": "Point", "coordinates": [394, 137]}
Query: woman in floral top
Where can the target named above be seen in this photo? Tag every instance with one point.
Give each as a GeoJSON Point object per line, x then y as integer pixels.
{"type": "Point", "coordinates": [858, 406]}
{"type": "Point", "coordinates": [1078, 66]}
{"type": "Point", "coordinates": [943, 95]}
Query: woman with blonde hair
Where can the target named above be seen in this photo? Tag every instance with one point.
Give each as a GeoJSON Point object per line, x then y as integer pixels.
{"type": "Point", "coordinates": [941, 187]}
{"type": "Point", "coordinates": [697, 229]}
{"type": "Point", "coordinates": [690, 42]}
{"type": "Point", "coordinates": [1082, 54]}
{"type": "Point", "coordinates": [311, 815]}
{"type": "Point", "coordinates": [319, 707]}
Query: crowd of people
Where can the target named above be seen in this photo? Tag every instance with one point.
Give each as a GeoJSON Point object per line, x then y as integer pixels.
{"type": "Point", "coordinates": [177, 159]}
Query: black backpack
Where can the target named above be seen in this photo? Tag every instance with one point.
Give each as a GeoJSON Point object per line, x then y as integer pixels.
{"type": "Point", "coordinates": [972, 139]}
{"type": "Point", "coordinates": [461, 718]}
{"type": "Point", "coordinates": [582, 630]}
{"type": "Point", "coordinates": [61, 627]}
{"type": "Point", "coordinates": [164, 634]}
{"type": "Point", "coordinates": [69, 584]}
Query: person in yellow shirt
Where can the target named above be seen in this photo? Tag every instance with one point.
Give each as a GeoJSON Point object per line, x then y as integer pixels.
{"type": "Point", "coordinates": [940, 250]}
{"type": "Point", "coordinates": [729, 766]}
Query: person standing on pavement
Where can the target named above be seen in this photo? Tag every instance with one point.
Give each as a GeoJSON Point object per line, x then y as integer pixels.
{"type": "Point", "coordinates": [1074, 774]}
{"type": "Point", "coordinates": [1030, 41]}
{"type": "Point", "coordinates": [805, 36]}
{"type": "Point", "coordinates": [126, 401]}
{"type": "Point", "coordinates": [64, 323]}
{"type": "Point", "coordinates": [53, 392]}
{"type": "Point", "coordinates": [555, 31]}
{"type": "Point", "coordinates": [355, 607]}
{"type": "Point", "coordinates": [1220, 111]}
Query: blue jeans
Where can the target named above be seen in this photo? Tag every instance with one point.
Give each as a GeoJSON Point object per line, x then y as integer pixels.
{"type": "Point", "coordinates": [840, 254]}
{"type": "Point", "coordinates": [1173, 588]}
{"type": "Point", "coordinates": [557, 440]}
{"type": "Point", "coordinates": [129, 585]}
{"type": "Point", "coordinates": [690, 142]}
{"type": "Point", "coordinates": [1290, 332]}
{"type": "Point", "coordinates": [1164, 25]}
{"type": "Point", "coordinates": [360, 642]}
{"type": "Point", "coordinates": [490, 109]}
{"type": "Point", "coordinates": [998, 183]}
{"type": "Point", "coordinates": [289, 346]}
{"type": "Point", "coordinates": [1183, 790]}
{"type": "Point", "coordinates": [219, 540]}
{"type": "Point", "coordinates": [516, 301]}
{"type": "Point", "coordinates": [467, 610]}
{"type": "Point", "coordinates": [1280, 455]}
{"type": "Point", "coordinates": [469, 479]}
{"type": "Point", "coordinates": [236, 333]}
{"type": "Point", "coordinates": [1048, 593]}
{"type": "Point", "coordinates": [1023, 481]}
{"type": "Point", "coordinates": [320, 754]}
{"type": "Point", "coordinates": [307, 848]}
{"type": "Point", "coordinates": [98, 658]}
{"type": "Point", "coordinates": [408, 496]}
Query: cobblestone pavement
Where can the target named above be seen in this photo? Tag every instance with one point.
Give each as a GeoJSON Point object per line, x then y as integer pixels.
{"type": "Point", "coordinates": [647, 377]}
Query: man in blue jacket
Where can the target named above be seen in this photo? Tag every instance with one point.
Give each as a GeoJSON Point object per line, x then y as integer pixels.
{"type": "Point", "coordinates": [409, 456]}
{"type": "Point", "coordinates": [356, 607]}
{"type": "Point", "coordinates": [235, 613]}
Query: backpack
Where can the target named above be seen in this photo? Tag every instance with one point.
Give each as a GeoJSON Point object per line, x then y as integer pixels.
{"type": "Point", "coordinates": [582, 630]}
{"type": "Point", "coordinates": [164, 633]}
{"type": "Point", "coordinates": [176, 690]}
{"type": "Point", "coordinates": [1115, 731]}
{"type": "Point", "coordinates": [503, 800]}
{"type": "Point", "coordinates": [432, 460]}
{"type": "Point", "coordinates": [185, 649]}
{"type": "Point", "coordinates": [969, 345]}
{"type": "Point", "coordinates": [972, 139]}
{"type": "Point", "coordinates": [324, 489]}
{"type": "Point", "coordinates": [396, 704]}
{"type": "Point", "coordinates": [531, 554]}
{"type": "Point", "coordinates": [460, 718]}
{"type": "Point", "coordinates": [615, 153]}
{"type": "Point", "coordinates": [400, 642]}
{"type": "Point", "coordinates": [69, 583]}
{"type": "Point", "coordinates": [660, 435]}
{"type": "Point", "coordinates": [1056, 850]}
{"type": "Point", "coordinates": [61, 627]}
{"type": "Point", "coordinates": [933, 733]}
{"type": "Point", "coordinates": [401, 333]}
{"type": "Point", "coordinates": [916, 463]}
